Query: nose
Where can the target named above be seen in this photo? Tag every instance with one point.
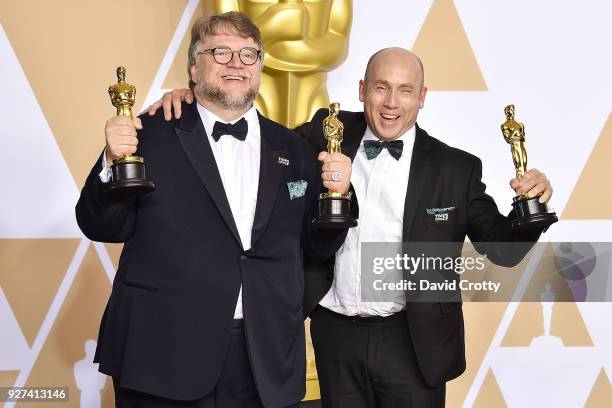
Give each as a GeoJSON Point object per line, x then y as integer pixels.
{"type": "Point", "coordinates": [390, 100]}
{"type": "Point", "coordinates": [235, 61]}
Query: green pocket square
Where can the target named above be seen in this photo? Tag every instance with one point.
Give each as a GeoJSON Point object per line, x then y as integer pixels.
{"type": "Point", "coordinates": [434, 211]}
{"type": "Point", "coordinates": [297, 188]}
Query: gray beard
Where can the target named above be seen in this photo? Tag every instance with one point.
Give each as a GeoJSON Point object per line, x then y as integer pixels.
{"type": "Point", "coordinates": [217, 96]}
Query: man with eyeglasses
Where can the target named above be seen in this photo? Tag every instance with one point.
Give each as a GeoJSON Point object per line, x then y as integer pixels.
{"type": "Point", "coordinates": [206, 306]}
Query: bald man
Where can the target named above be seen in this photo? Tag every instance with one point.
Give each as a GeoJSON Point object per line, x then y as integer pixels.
{"type": "Point", "coordinates": [410, 187]}
{"type": "Point", "coordinates": [393, 353]}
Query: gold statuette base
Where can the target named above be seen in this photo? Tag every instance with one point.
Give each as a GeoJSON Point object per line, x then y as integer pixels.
{"type": "Point", "coordinates": [129, 159]}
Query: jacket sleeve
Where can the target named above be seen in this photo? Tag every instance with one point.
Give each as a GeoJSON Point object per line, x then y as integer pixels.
{"type": "Point", "coordinates": [100, 218]}
{"type": "Point", "coordinates": [309, 132]}
{"type": "Point", "coordinates": [490, 231]}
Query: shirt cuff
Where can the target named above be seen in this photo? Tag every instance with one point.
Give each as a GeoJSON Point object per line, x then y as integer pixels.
{"type": "Point", "coordinates": [106, 174]}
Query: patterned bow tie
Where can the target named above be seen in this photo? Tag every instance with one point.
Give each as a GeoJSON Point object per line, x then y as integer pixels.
{"type": "Point", "coordinates": [238, 130]}
{"type": "Point", "coordinates": [374, 147]}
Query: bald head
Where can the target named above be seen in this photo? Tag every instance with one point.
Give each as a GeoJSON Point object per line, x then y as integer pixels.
{"type": "Point", "coordinates": [392, 92]}
{"type": "Point", "coordinates": [395, 55]}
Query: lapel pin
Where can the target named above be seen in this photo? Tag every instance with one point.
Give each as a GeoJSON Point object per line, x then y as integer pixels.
{"type": "Point", "coordinates": [283, 161]}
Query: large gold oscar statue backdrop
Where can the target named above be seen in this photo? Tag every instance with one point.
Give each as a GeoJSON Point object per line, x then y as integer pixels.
{"type": "Point", "coordinates": [304, 40]}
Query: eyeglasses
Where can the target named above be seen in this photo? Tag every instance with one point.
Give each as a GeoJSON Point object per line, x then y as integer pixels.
{"type": "Point", "coordinates": [223, 55]}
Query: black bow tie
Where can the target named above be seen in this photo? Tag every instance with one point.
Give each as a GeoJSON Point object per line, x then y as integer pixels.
{"type": "Point", "coordinates": [374, 147]}
{"type": "Point", "coordinates": [238, 130]}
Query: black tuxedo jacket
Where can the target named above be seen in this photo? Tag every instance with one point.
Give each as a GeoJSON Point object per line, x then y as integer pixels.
{"type": "Point", "coordinates": [167, 323]}
{"type": "Point", "coordinates": [440, 177]}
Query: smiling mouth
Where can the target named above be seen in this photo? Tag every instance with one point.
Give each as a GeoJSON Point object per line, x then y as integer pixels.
{"type": "Point", "coordinates": [233, 77]}
{"type": "Point", "coordinates": [387, 117]}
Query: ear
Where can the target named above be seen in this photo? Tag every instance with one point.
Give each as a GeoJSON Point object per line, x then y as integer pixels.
{"type": "Point", "coordinates": [422, 96]}
{"type": "Point", "coordinates": [361, 90]}
{"type": "Point", "coordinates": [193, 71]}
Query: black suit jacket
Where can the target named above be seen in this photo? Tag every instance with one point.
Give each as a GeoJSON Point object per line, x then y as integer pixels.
{"type": "Point", "coordinates": [440, 177]}
{"type": "Point", "coordinates": [167, 323]}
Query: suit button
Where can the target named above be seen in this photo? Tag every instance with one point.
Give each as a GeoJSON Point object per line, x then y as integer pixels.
{"type": "Point", "coordinates": [243, 258]}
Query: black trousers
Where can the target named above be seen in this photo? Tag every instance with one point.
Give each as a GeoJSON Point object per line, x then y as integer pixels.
{"type": "Point", "coordinates": [234, 389]}
{"type": "Point", "coordinates": [368, 362]}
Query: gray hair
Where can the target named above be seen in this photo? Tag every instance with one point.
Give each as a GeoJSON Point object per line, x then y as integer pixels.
{"type": "Point", "coordinates": [232, 21]}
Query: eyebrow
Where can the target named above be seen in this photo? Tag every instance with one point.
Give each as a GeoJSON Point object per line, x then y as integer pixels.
{"type": "Point", "coordinates": [386, 83]}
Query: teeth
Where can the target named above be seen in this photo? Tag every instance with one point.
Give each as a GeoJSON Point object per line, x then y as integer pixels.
{"type": "Point", "coordinates": [233, 77]}
{"type": "Point", "coordinates": [387, 116]}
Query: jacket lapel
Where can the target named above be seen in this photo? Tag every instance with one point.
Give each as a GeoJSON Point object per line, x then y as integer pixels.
{"type": "Point", "coordinates": [193, 139]}
{"type": "Point", "coordinates": [270, 175]}
{"type": "Point", "coordinates": [420, 166]}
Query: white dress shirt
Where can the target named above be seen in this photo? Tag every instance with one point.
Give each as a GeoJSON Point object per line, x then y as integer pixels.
{"type": "Point", "coordinates": [380, 185]}
{"type": "Point", "coordinates": [238, 164]}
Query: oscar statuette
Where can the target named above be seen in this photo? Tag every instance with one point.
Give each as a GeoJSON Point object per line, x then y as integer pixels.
{"type": "Point", "coordinates": [129, 177]}
{"type": "Point", "coordinates": [530, 214]}
{"type": "Point", "coordinates": [334, 207]}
